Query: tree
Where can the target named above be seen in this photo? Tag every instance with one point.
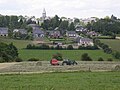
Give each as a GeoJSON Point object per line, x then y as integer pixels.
{"type": "Point", "coordinates": [70, 47]}
{"type": "Point", "coordinates": [58, 56]}
{"type": "Point", "coordinates": [71, 27]}
{"type": "Point", "coordinates": [63, 25]}
{"type": "Point", "coordinates": [85, 57]}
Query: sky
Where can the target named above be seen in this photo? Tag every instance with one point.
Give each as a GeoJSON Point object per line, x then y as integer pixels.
{"type": "Point", "coordinates": [66, 8]}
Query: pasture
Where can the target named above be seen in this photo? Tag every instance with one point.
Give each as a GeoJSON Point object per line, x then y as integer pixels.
{"type": "Point", "coordinates": [61, 81]}
{"type": "Point", "coordinates": [46, 55]}
{"type": "Point", "coordinates": [113, 43]}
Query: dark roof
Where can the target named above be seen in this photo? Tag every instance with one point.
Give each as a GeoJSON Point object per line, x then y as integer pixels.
{"type": "Point", "coordinates": [53, 32]}
{"type": "Point", "coordinates": [3, 30]}
{"type": "Point", "coordinates": [71, 32]}
{"type": "Point", "coordinates": [78, 39]}
{"type": "Point", "coordinates": [38, 31]}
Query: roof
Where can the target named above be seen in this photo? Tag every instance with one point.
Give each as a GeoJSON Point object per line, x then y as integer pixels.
{"type": "Point", "coordinates": [78, 39]}
{"type": "Point", "coordinates": [71, 32]}
{"type": "Point", "coordinates": [22, 31]}
{"type": "Point", "coordinates": [3, 30]}
{"type": "Point", "coordinates": [38, 31]}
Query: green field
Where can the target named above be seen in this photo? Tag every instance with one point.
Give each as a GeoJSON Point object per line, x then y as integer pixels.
{"type": "Point", "coordinates": [47, 54]}
{"type": "Point", "coordinates": [62, 81]}
{"type": "Point", "coordinates": [18, 43]}
{"type": "Point", "coordinates": [113, 43]}
{"type": "Point", "coordinates": [71, 54]}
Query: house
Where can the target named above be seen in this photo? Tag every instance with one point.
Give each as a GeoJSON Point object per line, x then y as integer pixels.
{"type": "Point", "coordinates": [3, 31]}
{"type": "Point", "coordinates": [21, 31]}
{"type": "Point", "coordinates": [84, 41]}
{"type": "Point", "coordinates": [92, 33]}
{"type": "Point", "coordinates": [54, 34]}
{"type": "Point", "coordinates": [71, 34]}
{"type": "Point", "coordinates": [34, 26]}
{"type": "Point", "coordinates": [37, 33]}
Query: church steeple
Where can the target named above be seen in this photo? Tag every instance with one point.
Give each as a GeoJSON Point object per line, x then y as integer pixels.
{"type": "Point", "coordinates": [44, 14]}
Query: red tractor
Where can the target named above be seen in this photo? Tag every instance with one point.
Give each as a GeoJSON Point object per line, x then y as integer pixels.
{"type": "Point", "coordinates": [54, 62]}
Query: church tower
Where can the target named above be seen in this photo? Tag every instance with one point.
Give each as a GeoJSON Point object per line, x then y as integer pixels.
{"type": "Point", "coordinates": [44, 14]}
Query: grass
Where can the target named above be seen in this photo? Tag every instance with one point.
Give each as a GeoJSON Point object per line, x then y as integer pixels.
{"type": "Point", "coordinates": [118, 35]}
{"type": "Point", "coordinates": [18, 43]}
{"type": "Point", "coordinates": [47, 54]}
{"type": "Point", "coordinates": [71, 54]}
{"type": "Point", "coordinates": [113, 43]}
{"type": "Point", "coordinates": [62, 81]}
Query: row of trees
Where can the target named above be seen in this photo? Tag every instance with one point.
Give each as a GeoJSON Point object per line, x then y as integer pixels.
{"type": "Point", "coordinates": [107, 49]}
{"type": "Point", "coordinates": [56, 22]}
{"type": "Point", "coordinates": [8, 52]}
{"type": "Point", "coordinates": [106, 26]}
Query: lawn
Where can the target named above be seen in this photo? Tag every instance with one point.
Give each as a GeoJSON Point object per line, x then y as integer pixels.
{"type": "Point", "coordinates": [113, 43]}
{"type": "Point", "coordinates": [71, 54]}
{"type": "Point", "coordinates": [62, 81]}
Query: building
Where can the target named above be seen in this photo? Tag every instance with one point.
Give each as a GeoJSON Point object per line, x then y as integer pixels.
{"type": "Point", "coordinates": [3, 31]}
{"type": "Point", "coordinates": [22, 31]}
{"type": "Point", "coordinates": [71, 34]}
{"type": "Point", "coordinates": [53, 34]}
{"type": "Point", "coordinates": [44, 14]}
{"type": "Point", "coordinates": [84, 41]}
{"type": "Point", "coordinates": [37, 33]}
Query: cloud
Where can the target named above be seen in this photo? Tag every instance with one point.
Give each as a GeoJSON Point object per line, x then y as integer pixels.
{"type": "Point", "coordinates": [68, 8]}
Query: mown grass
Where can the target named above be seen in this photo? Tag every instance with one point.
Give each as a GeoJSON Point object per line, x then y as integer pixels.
{"type": "Point", "coordinates": [71, 54]}
{"type": "Point", "coordinates": [62, 81]}
{"type": "Point", "coordinates": [113, 43]}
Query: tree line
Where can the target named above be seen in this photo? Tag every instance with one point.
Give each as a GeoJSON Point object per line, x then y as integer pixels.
{"type": "Point", "coordinates": [106, 26]}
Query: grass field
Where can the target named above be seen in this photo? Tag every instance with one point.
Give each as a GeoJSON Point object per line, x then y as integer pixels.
{"type": "Point", "coordinates": [71, 54]}
{"type": "Point", "coordinates": [113, 43]}
{"type": "Point", "coordinates": [47, 54]}
{"type": "Point", "coordinates": [62, 81]}
{"type": "Point", "coordinates": [20, 44]}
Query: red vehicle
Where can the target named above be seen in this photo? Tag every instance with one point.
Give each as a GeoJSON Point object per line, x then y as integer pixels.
{"type": "Point", "coordinates": [54, 62]}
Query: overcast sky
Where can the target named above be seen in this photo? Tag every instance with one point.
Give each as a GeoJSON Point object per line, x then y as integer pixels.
{"type": "Point", "coordinates": [67, 8]}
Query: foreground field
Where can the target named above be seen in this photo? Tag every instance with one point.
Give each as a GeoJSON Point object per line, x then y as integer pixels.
{"type": "Point", "coordinates": [71, 54]}
{"type": "Point", "coordinates": [114, 44]}
{"type": "Point", "coordinates": [62, 81]}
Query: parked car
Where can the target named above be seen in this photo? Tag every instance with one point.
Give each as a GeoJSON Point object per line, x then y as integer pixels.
{"type": "Point", "coordinates": [69, 62]}
{"type": "Point", "coordinates": [54, 62]}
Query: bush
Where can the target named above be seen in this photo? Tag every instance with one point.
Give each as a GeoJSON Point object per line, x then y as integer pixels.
{"type": "Point", "coordinates": [116, 55]}
{"type": "Point", "coordinates": [85, 57]}
{"type": "Point", "coordinates": [109, 59]}
{"type": "Point", "coordinates": [70, 47]}
{"type": "Point", "coordinates": [18, 59]}
{"type": "Point", "coordinates": [58, 56]}
{"type": "Point", "coordinates": [100, 59]}
{"type": "Point", "coordinates": [33, 59]}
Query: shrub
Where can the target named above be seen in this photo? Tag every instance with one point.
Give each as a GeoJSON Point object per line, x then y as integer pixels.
{"type": "Point", "coordinates": [85, 57]}
{"type": "Point", "coordinates": [116, 55]}
{"type": "Point", "coordinates": [109, 59]}
{"type": "Point", "coordinates": [33, 59]}
{"type": "Point", "coordinates": [58, 56]}
{"type": "Point", "coordinates": [70, 47]}
{"type": "Point", "coordinates": [100, 59]}
{"type": "Point", "coordinates": [17, 59]}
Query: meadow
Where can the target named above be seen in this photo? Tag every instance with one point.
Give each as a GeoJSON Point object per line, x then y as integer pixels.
{"type": "Point", "coordinates": [113, 43]}
{"type": "Point", "coordinates": [62, 81]}
{"type": "Point", "coordinates": [47, 54]}
{"type": "Point", "coordinates": [68, 54]}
